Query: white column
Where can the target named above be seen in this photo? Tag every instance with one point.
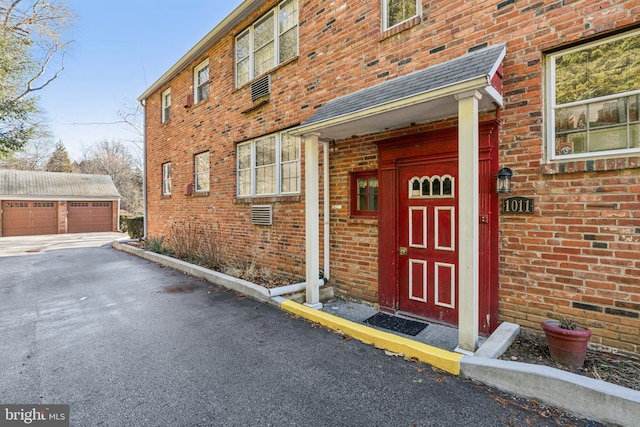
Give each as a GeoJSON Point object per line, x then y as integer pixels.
{"type": "Point", "coordinates": [312, 220]}
{"type": "Point", "coordinates": [468, 221]}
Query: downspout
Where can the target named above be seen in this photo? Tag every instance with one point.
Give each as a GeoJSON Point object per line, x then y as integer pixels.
{"type": "Point", "coordinates": [289, 289]}
{"type": "Point", "coordinates": [119, 230]}
{"type": "Point", "coordinates": [326, 215]}
{"type": "Point", "coordinates": [144, 169]}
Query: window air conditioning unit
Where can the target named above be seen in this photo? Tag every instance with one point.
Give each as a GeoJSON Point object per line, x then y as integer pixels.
{"type": "Point", "coordinates": [261, 87]}
{"type": "Point", "coordinates": [262, 215]}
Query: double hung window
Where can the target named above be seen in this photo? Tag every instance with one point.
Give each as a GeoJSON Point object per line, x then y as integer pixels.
{"type": "Point", "coordinates": [269, 165]}
{"type": "Point", "coordinates": [202, 172]}
{"type": "Point", "coordinates": [166, 179]}
{"type": "Point", "coordinates": [593, 98]}
{"type": "Point", "coordinates": [201, 81]}
{"type": "Point", "coordinates": [271, 41]}
{"type": "Point", "coordinates": [166, 105]}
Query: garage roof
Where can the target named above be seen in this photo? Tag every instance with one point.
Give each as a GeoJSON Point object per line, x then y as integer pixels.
{"type": "Point", "coordinates": [36, 184]}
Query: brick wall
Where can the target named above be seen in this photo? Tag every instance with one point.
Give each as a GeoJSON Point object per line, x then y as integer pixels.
{"type": "Point", "coordinates": [576, 256]}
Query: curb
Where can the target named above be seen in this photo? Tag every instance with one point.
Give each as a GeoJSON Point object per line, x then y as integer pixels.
{"type": "Point", "coordinates": [434, 356]}
{"type": "Point", "coordinates": [586, 397]}
{"type": "Point", "coordinates": [249, 289]}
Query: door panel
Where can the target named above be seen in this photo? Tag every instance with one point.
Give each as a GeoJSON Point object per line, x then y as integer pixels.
{"type": "Point", "coordinates": [428, 230]}
{"type": "Point", "coordinates": [26, 218]}
{"type": "Point", "coordinates": [89, 216]}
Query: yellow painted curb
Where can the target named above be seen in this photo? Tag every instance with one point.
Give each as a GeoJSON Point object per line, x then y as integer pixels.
{"type": "Point", "coordinates": [442, 359]}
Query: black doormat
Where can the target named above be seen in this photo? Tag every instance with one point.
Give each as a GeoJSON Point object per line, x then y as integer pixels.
{"type": "Point", "coordinates": [396, 324]}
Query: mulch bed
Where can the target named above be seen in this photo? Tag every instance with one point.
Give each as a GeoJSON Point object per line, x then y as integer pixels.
{"type": "Point", "coordinates": [613, 368]}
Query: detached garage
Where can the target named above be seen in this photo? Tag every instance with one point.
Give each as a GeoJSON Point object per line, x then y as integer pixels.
{"type": "Point", "coordinates": [55, 203]}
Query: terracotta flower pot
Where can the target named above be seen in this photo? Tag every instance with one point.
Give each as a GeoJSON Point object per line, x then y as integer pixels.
{"type": "Point", "coordinates": [567, 346]}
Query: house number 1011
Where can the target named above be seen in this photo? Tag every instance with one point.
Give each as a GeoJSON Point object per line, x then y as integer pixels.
{"type": "Point", "coordinates": [517, 205]}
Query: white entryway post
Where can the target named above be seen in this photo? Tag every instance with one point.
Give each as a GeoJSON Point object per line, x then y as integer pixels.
{"type": "Point", "coordinates": [312, 225]}
{"type": "Point", "coordinates": [468, 219]}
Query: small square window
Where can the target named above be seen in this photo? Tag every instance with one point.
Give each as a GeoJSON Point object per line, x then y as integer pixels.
{"type": "Point", "coordinates": [364, 194]}
{"type": "Point", "coordinates": [395, 12]}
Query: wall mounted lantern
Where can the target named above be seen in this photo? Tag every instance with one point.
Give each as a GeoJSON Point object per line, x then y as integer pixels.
{"type": "Point", "coordinates": [503, 181]}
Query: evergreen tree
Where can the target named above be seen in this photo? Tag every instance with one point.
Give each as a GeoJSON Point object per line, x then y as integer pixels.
{"type": "Point", "coordinates": [59, 161]}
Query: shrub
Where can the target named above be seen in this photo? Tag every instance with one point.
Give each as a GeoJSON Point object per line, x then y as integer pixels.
{"type": "Point", "coordinates": [213, 248]}
{"type": "Point", "coordinates": [184, 240]}
{"type": "Point", "coordinates": [134, 225]}
{"type": "Point", "coordinates": [155, 244]}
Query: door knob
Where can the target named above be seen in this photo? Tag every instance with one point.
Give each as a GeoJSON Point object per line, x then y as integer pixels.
{"type": "Point", "coordinates": [402, 251]}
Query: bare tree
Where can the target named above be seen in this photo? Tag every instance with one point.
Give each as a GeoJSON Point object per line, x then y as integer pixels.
{"type": "Point", "coordinates": [114, 159]}
{"type": "Point", "coordinates": [40, 24]}
{"type": "Point", "coordinates": [33, 156]}
{"type": "Point", "coordinates": [31, 43]}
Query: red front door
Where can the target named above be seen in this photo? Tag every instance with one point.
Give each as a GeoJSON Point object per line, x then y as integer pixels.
{"type": "Point", "coordinates": [418, 226]}
{"type": "Point", "coordinates": [428, 230]}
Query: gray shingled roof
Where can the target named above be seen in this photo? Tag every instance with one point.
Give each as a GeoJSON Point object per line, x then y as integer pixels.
{"type": "Point", "coordinates": [467, 67]}
{"type": "Point", "coordinates": [55, 184]}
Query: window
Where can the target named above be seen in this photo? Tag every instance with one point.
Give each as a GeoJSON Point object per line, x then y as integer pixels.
{"type": "Point", "coordinates": [269, 42]}
{"type": "Point", "coordinates": [269, 165]}
{"type": "Point", "coordinates": [166, 179]}
{"type": "Point", "coordinates": [593, 94]}
{"type": "Point", "coordinates": [364, 194]}
{"type": "Point", "coordinates": [166, 105]}
{"type": "Point", "coordinates": [202, 172]}
{"type": "Point", "coordinates": [431, 187]}
{"type": "Point", "coordinates": [201, 81]}
{"type": "Point", "coordinates": [396, 12]}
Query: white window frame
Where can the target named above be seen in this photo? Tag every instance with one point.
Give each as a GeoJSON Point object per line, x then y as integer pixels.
{"type": "Point", "coordinates": [166, 179]}
{"type": "Point", "coordinates": [277, 33]}
{"type": "Point", "coordinates": [197, 84]}
{"type": "Point", "coordinates": [385, 14]}
{"type": "Point", "coordinates": [551, 107]}
{"type": "Point", "coordinates": [166, 105]}
{"type": "Point", "coordinates": [205, 174]}
{"type": "Point", "coordinates": [254, 187]}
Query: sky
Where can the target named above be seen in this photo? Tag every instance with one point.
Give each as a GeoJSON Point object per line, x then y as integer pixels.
{"type": "Point", "coordinates": [119, 49]}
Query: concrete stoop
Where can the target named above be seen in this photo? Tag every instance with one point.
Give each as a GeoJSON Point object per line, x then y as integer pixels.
{"type": "Point", "coordinates": [584, 397]}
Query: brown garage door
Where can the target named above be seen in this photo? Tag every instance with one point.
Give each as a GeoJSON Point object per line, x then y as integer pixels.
{"type": "Point", "coordinates": [84, 217]}
{"type": "Point", "coordinates": [24, 218]}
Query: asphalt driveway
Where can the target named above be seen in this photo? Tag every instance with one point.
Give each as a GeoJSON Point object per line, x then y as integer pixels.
{"type": "Point", "coordinates": [126, 342]}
